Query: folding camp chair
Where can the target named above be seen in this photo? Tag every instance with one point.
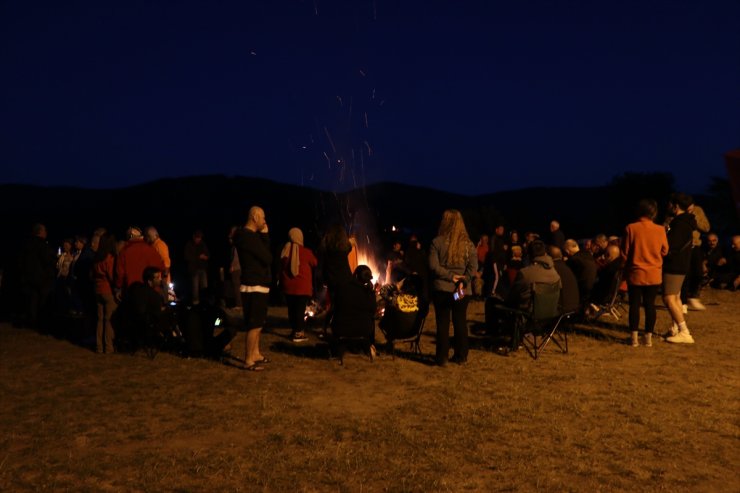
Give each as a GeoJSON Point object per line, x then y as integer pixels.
{"type": "Point", "coordinates": [613, 305]}
{"type": "Point", "coordinates": [537, 327]}
{"type": "Point", "coordinates": [411, 336]}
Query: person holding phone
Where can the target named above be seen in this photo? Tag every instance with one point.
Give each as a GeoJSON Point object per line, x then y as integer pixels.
{"type": "Point", "coordinates": [453, 261]}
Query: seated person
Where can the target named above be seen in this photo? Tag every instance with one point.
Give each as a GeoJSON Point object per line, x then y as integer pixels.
{"type": "Point", "coordinates": [604, 287]}
{"type": "Point", "coordinates": [403, 309]}
{"type": "Point", "coordinates": [515, 263]}
{"type": "Point", "coordinates": [599, 249]}
{"type": "Point", "coordinates": [569, 298]}
{"type": "Point", "coordinates": [541, 270]}
{"type": "Point", "coordinates": [584, 267]}
{"type": "Point", "coordinates": [730, 279]}
{"type": "Point", "coordinates": [142, 315]}
{"type": "Point", "coordinates": [715, 259]}
{"type": "Point", "coordinates": [354, 308]}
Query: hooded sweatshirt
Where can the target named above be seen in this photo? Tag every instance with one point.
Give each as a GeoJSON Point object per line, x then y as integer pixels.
{"type": "Point", "coordinates": [540, 270]}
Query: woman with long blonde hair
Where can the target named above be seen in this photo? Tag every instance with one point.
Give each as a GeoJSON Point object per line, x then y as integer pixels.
{"type": "Point", "coordinates": [453, 261]}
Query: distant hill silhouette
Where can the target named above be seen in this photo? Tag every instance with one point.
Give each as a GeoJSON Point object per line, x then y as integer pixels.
{"type": "Point", "coordinates": [178, 206]}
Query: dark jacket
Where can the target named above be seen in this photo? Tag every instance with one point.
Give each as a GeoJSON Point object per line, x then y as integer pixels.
{"type": "Point", "coordinates": [255, 257]}
{"type": "Point", "coordinates": [192, 255]}
{"type": "Point", "coordinates": [680, 238]}
{"type": "Point", "coordinates": [335, 267]}
{"type": "Point", "coordinates": [37, 264]}
{"type": "Point", "coordinates": [584, 267]}
{"type": "Point", "coordinates": [604, 287]}
{"type": "Point", "coordinates": [569, 298]}
{"type": "Point", "coordinates": [354, 310]}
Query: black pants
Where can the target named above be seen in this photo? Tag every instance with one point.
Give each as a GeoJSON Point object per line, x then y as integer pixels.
{"type": "Point", "coordinates": [645, 296]}
{"type": "Point", "coordinates": [297, 311]}
{"type": "Point", "coordinates": [444, 307]}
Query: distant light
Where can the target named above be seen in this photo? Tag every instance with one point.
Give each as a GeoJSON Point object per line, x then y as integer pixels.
{"type": "Point", "coordinates": [217, 322]}
{"type": "Point", "coordinates": [393, 228]}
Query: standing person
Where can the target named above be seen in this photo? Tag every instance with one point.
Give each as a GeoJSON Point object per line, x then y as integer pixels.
{"type": "Point", "coordinates": [691, 289]}
{"type": "Point", "coordinates": [643, 248]}
{"type": "Point", "coordinates": [152, 237]}
{"type": "Point", "coordinates": [335, 265]}
{"type": "Point", "coordinates": [197, 255]}
{"type": "Point", "coordinates": [417, 262]}
{"type": "Point", "coordinates": [232, 282]}
{"type": "Point", "coordinates": [557, 237]}
{"type": "Point", "coordinates": [103, 272]}
{"type": "Point", "coordinates": [37, 270]}
{"type": "Point", "coordinates": [677, 263]}
{"type": "Point", "coordinates": [253, 247]}
{"type": "Point", "coordinates": [296, 279]}
{"type": "Point", "coordinates": [453, 261]}
{"type": "Point", "coordinates": [135, 256]}
{"type": "Point", "coordinates": [482, 252]}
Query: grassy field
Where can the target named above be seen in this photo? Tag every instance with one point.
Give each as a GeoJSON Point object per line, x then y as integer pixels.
{"type": "Point", "coordinates": [605, 417]}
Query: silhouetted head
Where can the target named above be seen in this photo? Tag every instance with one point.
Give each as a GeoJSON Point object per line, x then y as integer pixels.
{"type": "Point", "coordinates": [537, 249]}
{"type": "Point", "coordinates": [647, 208]}
{"type": "Point", "coordinates": [364, 275]}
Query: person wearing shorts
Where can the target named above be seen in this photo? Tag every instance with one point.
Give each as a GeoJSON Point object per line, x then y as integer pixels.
{"type": "Point", "coordinates": [677, 263]}
{"type": "Point", "coordinates": [253, 247]}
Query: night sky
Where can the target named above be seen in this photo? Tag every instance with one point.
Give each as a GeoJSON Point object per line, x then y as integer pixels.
{"type": "Point", "coordinates": [465, 96]}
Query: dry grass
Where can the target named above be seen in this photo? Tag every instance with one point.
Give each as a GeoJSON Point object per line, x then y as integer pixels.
{"type": "Point", "coordinates": [605, 417]}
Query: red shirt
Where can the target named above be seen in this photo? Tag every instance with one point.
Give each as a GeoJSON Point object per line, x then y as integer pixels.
{"type": "Point", "coordinates": [103, 275]}
{"type": "Point", "coordinates": [302, 284]}
{"type": "Point", "coordinates": [133, 259]}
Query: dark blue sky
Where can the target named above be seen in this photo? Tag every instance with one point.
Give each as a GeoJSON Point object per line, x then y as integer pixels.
{"type": "Point", "coordinates": [466, 96]}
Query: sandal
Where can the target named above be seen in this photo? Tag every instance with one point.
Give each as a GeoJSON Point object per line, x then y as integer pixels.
{"type": "Point", "coordinates": [254, 367]}
{"type": "Point", "coordinates": [261, 361]}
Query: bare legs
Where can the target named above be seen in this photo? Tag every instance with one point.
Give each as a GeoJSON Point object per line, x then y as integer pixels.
{"type": "Point", "coordinates": [675, 307]}
{"type": "Point", "coordinates": [252, 353]}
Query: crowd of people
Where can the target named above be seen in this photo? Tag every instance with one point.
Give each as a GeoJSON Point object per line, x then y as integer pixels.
{"type": "Point", "coordinates": [125, 286]}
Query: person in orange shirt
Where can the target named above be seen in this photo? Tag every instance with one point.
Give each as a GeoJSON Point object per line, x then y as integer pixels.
{"type": "Point", "coordinates": [133, 258]}
{"type": "Point", "coordinates": [152, 237]}
{"type": "Point", "coordinates": [644, 246]}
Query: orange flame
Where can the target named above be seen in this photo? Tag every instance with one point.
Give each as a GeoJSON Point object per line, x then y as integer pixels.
{"type": "Point", "coordinates": [361, 255]}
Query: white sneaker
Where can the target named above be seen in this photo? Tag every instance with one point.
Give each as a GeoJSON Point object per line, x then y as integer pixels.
{"type": "Point", "coordinates": [685, 309]}
{"type": "Point", "coordinates": [682, 337]}
{"type": "Point", "coordinates": [671, 332]}
{"type": "Point", "coordinates": [696, 304]}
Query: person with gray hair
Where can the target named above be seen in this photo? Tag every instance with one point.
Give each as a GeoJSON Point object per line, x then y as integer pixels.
{"type": "Point", "coordinates": [584, 267]}
{"type": "Point", "coordinates": [557, 237]}
{"type": "Point", "coordinates": [152, 237]}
